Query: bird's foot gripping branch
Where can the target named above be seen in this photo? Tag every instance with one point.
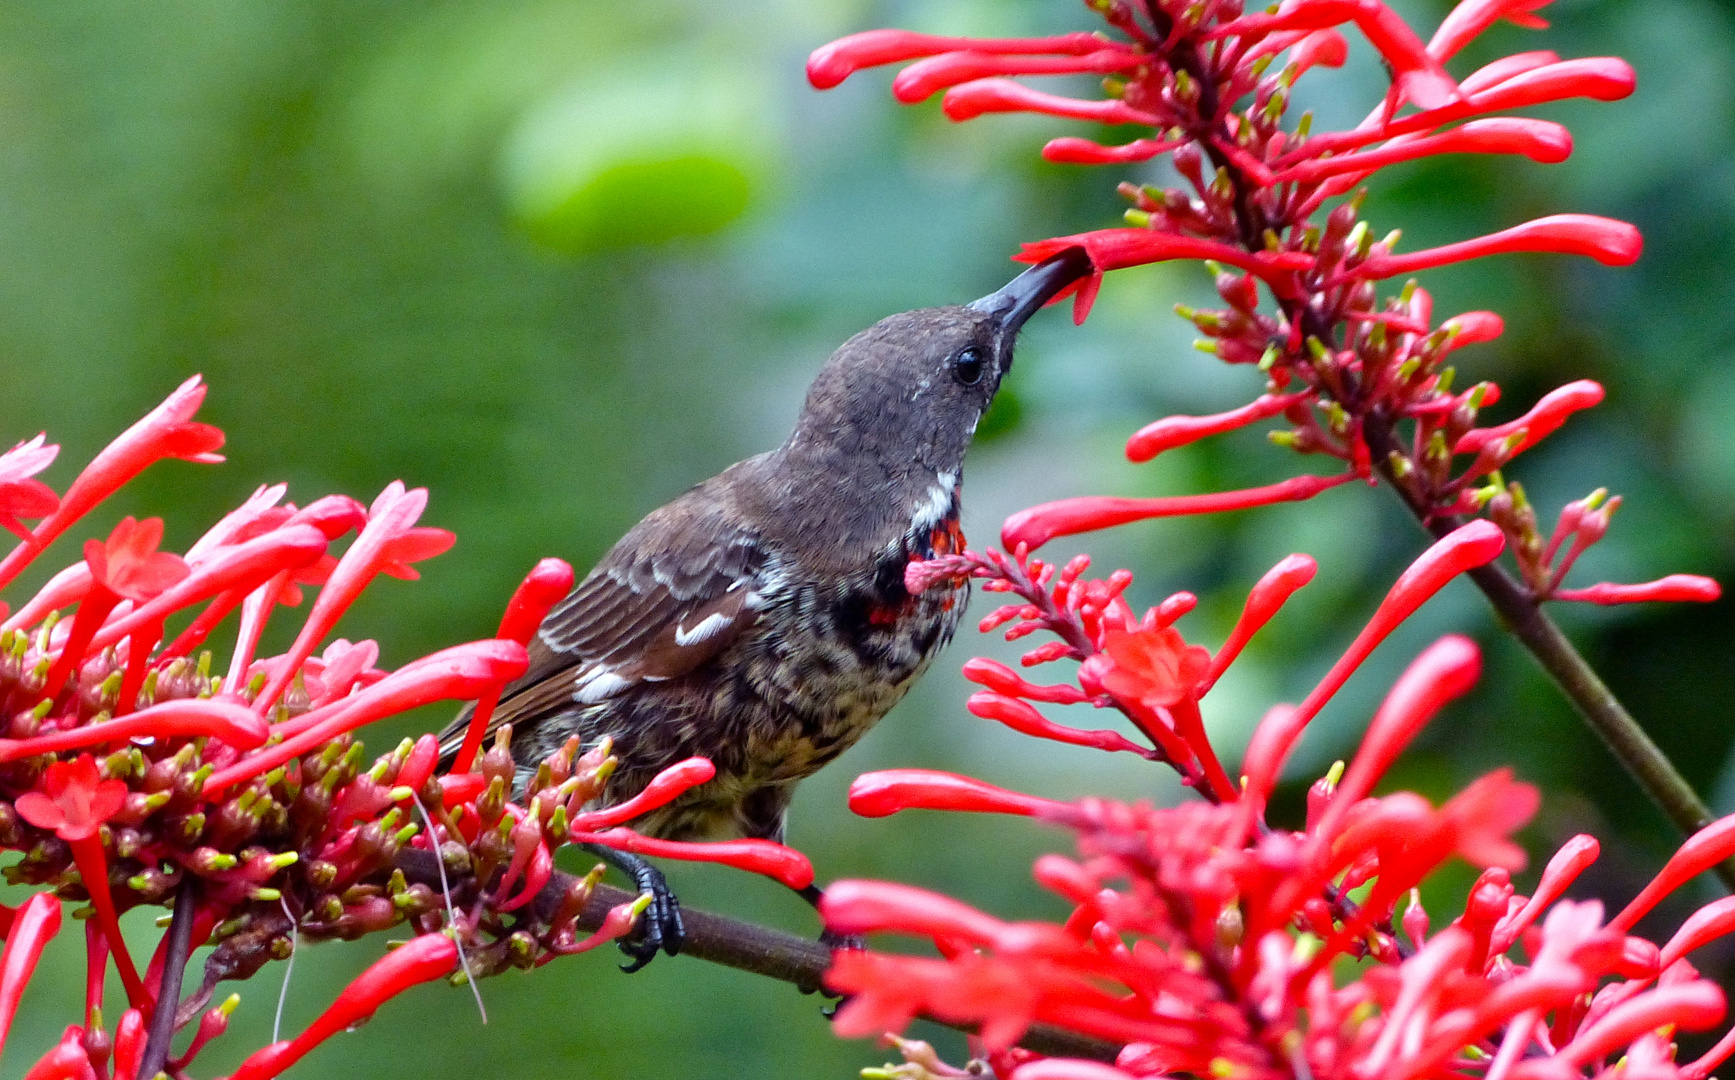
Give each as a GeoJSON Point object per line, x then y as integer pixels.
{"type": "Point", "coordinates": [132, 773]}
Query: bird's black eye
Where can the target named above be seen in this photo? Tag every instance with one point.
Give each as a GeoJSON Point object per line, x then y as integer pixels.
{"type": "Point", "coordinates": [967, 366]}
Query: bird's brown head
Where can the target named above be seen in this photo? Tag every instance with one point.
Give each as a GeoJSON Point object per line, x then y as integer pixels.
{"type": "Point", "coordinates": [910, 389]}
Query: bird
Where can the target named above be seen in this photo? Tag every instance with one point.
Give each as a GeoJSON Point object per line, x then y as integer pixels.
{"type": "Point", "coordinates": [760, 619]}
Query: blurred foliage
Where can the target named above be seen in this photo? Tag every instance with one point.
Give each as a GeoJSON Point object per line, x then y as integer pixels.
{"type": "Point", "coordinates": [559, 259]}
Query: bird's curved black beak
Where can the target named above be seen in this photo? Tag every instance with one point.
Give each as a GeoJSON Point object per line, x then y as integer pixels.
{"type": "Point", "coordinates": [1025, 294]}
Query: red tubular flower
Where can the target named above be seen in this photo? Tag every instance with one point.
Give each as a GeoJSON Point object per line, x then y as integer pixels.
{"type": "Point", "coordinates": [1602, 78]}
{"type": "Point", "coordinates": [1465, 548]}
{"type": "Point", "coordinates": [546, 584]}
{"type": "Point", "coordinates": [1024, 718]}
{"type": "Point", "coordinates": [74, 802]}
{"type": "Point", "coordinates": [423, 959]}
{"type": "Point", "coordinates": [973, 99]}
{"type": "Point", "coordinates": [887, 791]}
{"type": "Point", "coordinates": [67, 1061]}
{"type": "Point", "coordinates": [1676, 588]}
{"type": "Point", "coordinates": [1113, 249]}
{"type": "Point", "coordinates": [779, 863]}
{"type": "Point", "coordinates": [1473, 328]}
{"type": "Point", "coordinates": [128, 566]}
{"type": "Point", "coordinates": [32, 929]}
{"type": "Point", "coordinates": [1154, 666]}
{"type": "Point", "coordinates": [1709, 923]}
{"type": "Point", "coordinates": [20, 496]}
{"type": "Point", "coordinates": [166, 431]}
{"type": "Point", "coordinates": [460, 673]}
{"type": "Point", "coordinates": [1694, 1006]}
{"type": "Point", "coordinates": [1003, 680]}
{"type": "Point", "coordinates": [1419, 76]}
{"type": "Point", "coordinates": [1071, 150]}
{"type": "Point", "coordinates": [1264, 600]}
{"type": "Point", "coordinates": [922, 79]}
{"type": "Point", "coordinates": [1538, 140]}
{"type": "Point", "coordinates": [1446, 670]}
{"type": "Point", "coordinates": [833, 63]}
{"type": "Point", "coordinates": [1040, 524]}
{"type": "Point", "coordinates": [230, 721]}
{"type": "Point", "coordinates": [860, 907]}
{"type": "Point", "coordinates": [1467, 21]}
{"type": "Point", "coordinates": [664, 788]}
{"type": "Point", "coordinates": [1610, 242]}
{"type": "Point", "coordinates": [1703, 850]}
{"type": "Point", "coordinates": [1543, 419]}
{"type": "Point", "coordinates": [387, 544]}
{"type": "Point", "coordinates": [244, 566]}
{"type": "Point", "coordinates": [1173, 431]}
{"type": "Point", "coordinates": [1562, 870]}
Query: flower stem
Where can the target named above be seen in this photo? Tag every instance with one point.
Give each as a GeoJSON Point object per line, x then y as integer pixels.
{"type": "Point", "coordinates": [180, 946]}
{"type": "Point", "coordinates": [87, 855]}
{"type": "Point", "coordinates": [1525, 620]}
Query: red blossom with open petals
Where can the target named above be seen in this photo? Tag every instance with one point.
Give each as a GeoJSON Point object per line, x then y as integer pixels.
{"type": "Point", "coordinates": [74, 800]}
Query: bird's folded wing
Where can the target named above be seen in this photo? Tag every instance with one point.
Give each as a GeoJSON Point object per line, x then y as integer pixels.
{"type": "Point", "coordinates": [672, 594]}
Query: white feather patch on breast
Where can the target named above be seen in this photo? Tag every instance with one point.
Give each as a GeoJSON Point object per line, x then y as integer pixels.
{"type": "Point", "coordinates": [937, 505]}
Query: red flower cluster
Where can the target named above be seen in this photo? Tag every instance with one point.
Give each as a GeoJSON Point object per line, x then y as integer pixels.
{"type": "Point", "coordinates": [1142, 666]}
{"type": "Point", "coordinates": [1206, 942]}
{"type": "Point", "coordinates": [130, 774]}
{"type": "Point", "coordinates": [1355, 377]}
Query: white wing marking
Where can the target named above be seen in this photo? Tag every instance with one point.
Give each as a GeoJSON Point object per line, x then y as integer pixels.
{"type": "Point", "coordinates": [595, 684]}
{"type": "Point", "coordinates": [709, 627]}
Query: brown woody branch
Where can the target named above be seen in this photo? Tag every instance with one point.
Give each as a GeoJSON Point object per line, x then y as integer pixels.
{"type": "Point", "coordinates": [759, 950]}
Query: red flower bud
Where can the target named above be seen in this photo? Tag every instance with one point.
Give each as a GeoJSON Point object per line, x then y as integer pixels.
{"type": "Point", "coordinates": [1610, 242]}
{"type": "Point", "coordinates": [1023, 717]}
{"type": "Point", "coordinates": [1173, 431]}
{"type": "Point", "coordinates": [775, 861]}
{"type": "Point", "coordinates": [1040, 524]}
{"type": "Point", "coordinates": [1264, 600]}
{"type": "Point", "coordinates": [32, 929]}
{"type": "Point", "coordinates": [831, 64]}
{"type": "Point", "coordinates": [882, 793]}
{"type": "Point", "coordinates": [1446, 670]}
{"type": "Point", "coordinates": [423, 958]}
{"type": "Point", "coordinates": [973, 99]}
{"type": "Point", "coordinates": [664, 788]}
{"type": "Point", "coordinates": [231, 721]}
{"type": "Point", "coordinates": [922, 79]}
{"type": "Point", "coordinates": [862, 907]}
{"type": "Point", "coordinates": [1543, 419]}
{"type": "Point", "coordinates": [1071, 150]}
{"type": "Point", "coordinates": [1703, 850]}
{"type": "Point", "coordinates": [1676, 588]}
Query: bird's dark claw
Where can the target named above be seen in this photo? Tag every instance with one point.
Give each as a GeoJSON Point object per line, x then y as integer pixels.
{"type": "Point", "coordinates": [660, 928]}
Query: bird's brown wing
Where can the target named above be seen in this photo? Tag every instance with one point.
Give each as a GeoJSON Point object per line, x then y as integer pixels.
{"type": "Point", "coordinates": [672, 594]}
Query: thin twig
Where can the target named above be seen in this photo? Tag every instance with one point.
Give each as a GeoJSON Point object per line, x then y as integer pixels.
{"type": "Point", "coordinates": [745, 946]}
{"type": "Point", "coordinates": [179, 948]}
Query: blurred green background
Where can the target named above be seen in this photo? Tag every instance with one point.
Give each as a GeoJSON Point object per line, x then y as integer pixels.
{"type": "Point", "coordinates": [559, 259]}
